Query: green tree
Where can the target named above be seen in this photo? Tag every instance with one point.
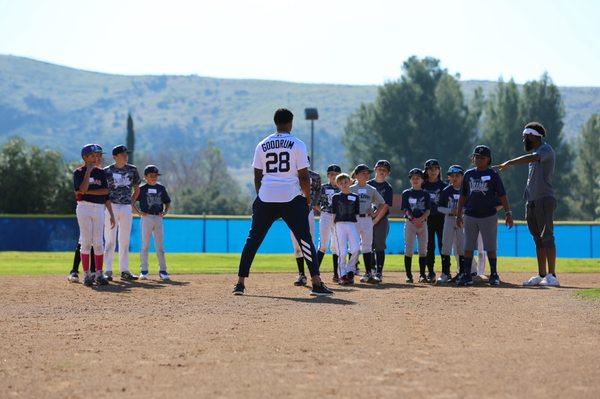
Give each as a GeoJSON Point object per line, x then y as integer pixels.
{"type": "Point", "coordinates": [130, 138]}
{"type": "Point", "coordinates": [501, 131]}
{"type": "Point", "coordinates": [33, 180]}
{"type": "Point", "coordinates": [422, 115]}
{"type": "Point", "coordinates": [587, 169]}
{"type": "Point", "coordinates": [199, 182]}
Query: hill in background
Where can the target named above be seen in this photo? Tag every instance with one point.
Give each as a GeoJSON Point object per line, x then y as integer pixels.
{"type": "Point", "coordinates": [63, 108]}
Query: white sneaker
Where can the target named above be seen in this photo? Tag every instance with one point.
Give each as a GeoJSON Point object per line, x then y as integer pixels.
{"type": "Point", "coordinates": [535, 280]}
{"type": "Point", "coordinates": [365, 278]}
{"type": "Point", "coordinates": [550, 281]}
{"type": "Point", "coordinates": [164, 276]}
{"type": "Point", "coordinates": [144, 276]}
{"type": "Point", "coordinates": [73, 277]}
{"type": "Point", "coordinates": [443, 279]}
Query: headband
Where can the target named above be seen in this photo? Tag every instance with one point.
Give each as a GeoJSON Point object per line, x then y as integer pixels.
{"type": "Point", "coordinates": [532, 132]}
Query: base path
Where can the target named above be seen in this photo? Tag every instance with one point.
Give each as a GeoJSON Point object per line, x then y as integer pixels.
{"type": "Point", "coordinates": [191, 338]}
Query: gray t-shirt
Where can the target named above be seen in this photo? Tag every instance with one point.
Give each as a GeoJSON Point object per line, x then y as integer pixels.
{"type": "Point", "coordinates": [539, 180]}
{"type": "Point", "coordinates": [121, 182]}
{"type": "Point", "coordinates": [368, 196]}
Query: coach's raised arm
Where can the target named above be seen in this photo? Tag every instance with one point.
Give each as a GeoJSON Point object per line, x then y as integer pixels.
{"type": "Point", "coordinates": [541, 202]}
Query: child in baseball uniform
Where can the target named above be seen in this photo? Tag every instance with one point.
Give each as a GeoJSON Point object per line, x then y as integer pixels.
{"type": "Point", "coordinates": [481, 188]}
{"type": "Point", "coordinates": [91, 186]}
{"type": "Point", "coordinates": [453, 237]}
{"type": "Point", "coordinates": [416, 204]}
{"type": "Point", "coordinates": [154, 204]}
{"type": "Point", "coordinates": [434, 185]}
{"type": "Point", "coordinates": [381, 229]}
{"type": "Point", "coordinates": [315, 191]}
{"type": "Point", "coordinates": [368, 197]}
{"type": "Point", "coordinates": [345, 207]}
{"type": "Point", "coordinates": [326, 224]}
{"type": "Point", "coordinates": [74, 274]}
{"type": "Point", "coordinates": [123, 182]}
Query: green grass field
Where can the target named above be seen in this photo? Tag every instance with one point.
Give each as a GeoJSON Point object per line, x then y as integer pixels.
{"type": "Point", "coordinates": [59, 263]}
{"type": "Point", "coordinates": [592, 293]}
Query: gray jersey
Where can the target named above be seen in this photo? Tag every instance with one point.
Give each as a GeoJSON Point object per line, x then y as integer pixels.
{"type": "Point", "coordinates": [368, 196]}
{"type": "Point", "coordinates": [539, 180]}
{"type": "Point", "coordinates": [315, 188]}
{"type": "Point", "coordinates": [121, 183]}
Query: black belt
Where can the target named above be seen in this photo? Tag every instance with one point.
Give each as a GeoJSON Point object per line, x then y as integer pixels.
{"type": "Point", "coordinates": [362, 215]}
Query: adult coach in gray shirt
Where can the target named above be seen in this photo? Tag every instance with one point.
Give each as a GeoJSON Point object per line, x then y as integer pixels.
{"type": "Point", "coordinates": [541, 203]}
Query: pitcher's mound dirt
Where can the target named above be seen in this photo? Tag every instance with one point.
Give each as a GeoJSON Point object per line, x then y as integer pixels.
{"type": "Point", "coordinates": [191, 338]}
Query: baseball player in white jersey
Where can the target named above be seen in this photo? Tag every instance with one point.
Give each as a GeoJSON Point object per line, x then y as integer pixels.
{"type": "Point", "coordinates": [326, 223]}
{"type": "Point", "coordinates": [315, 190]}
{"type": "Point", "coordinates": [368, 196]}
{"type": "Point", "coordinates": [280, 178]}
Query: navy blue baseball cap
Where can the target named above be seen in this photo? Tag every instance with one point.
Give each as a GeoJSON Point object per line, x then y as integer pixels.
{"type": "Point", "coordinates": [382, 163]}
{"type": "Point", "coordinates": [455, 169]}
{"type": "Point", "coordinates": [91, 149]}
{"type": "Point", "coordinates": [120, 149]}
{"type": "Point", "coordinates": [415, 172]}
{"type": "Point", "coordinates": [334, 168]}
{"type": "Point", "coordinates": [483, 150]}
{"type": "Point", "coordinates": [151, 169]}
{"type": "Point", "coordinates": [431, 162]}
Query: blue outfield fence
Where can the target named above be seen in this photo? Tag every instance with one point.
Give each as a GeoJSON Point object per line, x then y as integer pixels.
{"type": "Point", "coordinates": [227, 235]}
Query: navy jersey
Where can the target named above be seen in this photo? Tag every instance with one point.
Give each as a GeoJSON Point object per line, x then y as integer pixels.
{"type": "Point", "coordinates": [345, 207]}
{"type": "Point", "coordinates": [327, 192]}
{"type": "Point", "coordinates": [152, 198]}
{"type": "Point", "coordinates": [482, 189]}
{"type": "Point", "coordinates": [434, 190]}
{"type": "Point", "coordinates": [415, 202]}
{"type": "Point", "coordinates": [97, 181]}
{"type": "Point", "coordinates": [449, 197]}
{"type": "Point", "coordinates": [385, 190]}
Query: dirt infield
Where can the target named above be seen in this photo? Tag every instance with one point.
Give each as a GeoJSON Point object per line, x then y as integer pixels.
{"type": "Point", "coordinates": [192, 338]}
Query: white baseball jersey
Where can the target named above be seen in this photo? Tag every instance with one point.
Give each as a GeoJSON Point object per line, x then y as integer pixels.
{"type": "Point", "coordinates": [280, 156]}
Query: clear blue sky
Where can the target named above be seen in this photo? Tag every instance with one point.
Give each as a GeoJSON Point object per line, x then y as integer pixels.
{"type": "Point", "coordinates": [355, 42]}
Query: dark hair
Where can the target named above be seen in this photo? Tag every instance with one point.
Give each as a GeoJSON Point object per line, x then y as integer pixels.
{"type": "Point", "coordinates": [426, 178]}
{"type": "Point", "coordinates": [283, 116]}
{"type": "Point", "coordinates": [538, 127]}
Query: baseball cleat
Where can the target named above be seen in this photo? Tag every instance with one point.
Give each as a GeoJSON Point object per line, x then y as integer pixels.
{"type": "Point", "coordinates": [128, 276]}
{"type": "Point", "coordinates": [431, 277]}
{"type": "Point", "coordinates": [343, 280]}
{"type": "Point", "coordinates": [144, 275]}
{"type": "Point", "coordinates": [320, 290]}
{"type": "Point", "coordinates": [422, 278]}
{"type": "Point", "coordinates": [464, 281]}
{"type": "Point", "coordinates": [535, 280]}
{"type": "Point", "coordinates": [494, 279]}
{"type": "Point", "coordinates": [409, 279]}
{"type": "Point", "coordinates": [239, 289]}
{"type": "Point", "coordinates": [88, 281]}
{"type": "Point", "coordinates": [335, 279]}
{"type": "Point", "coordinates": [300, 281]}
{"type": "Point", "coordinates": [350, 278]}
{"type": "Point", "coordinates": [101, 280]}
{"type": "Point", "coordinates": [549, 281]}
{"type": "Point", "coordinates": [378, 278]}
{"type": "Point", "coordinates": [164, 276]}
{"type": "Point", "coordinates": [366, 278]}
{"type": "Point", "coordinates": [73, 277]}
{"type": "Point", "coordinates": [443, 279]}
{"type": "Point", "coordinates": [108, 275]}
